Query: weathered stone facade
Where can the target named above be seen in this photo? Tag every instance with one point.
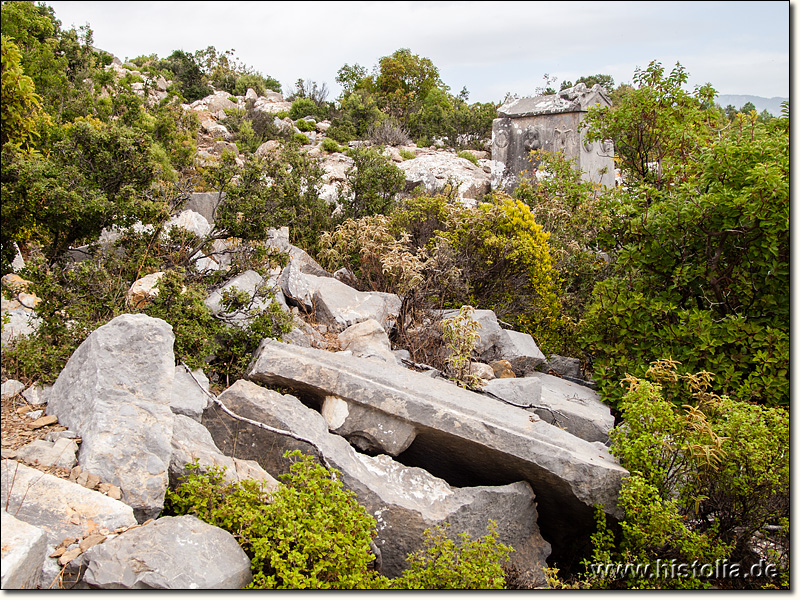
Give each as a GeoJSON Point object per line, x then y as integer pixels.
{"type": "Point", "coordinates": [552, 124]}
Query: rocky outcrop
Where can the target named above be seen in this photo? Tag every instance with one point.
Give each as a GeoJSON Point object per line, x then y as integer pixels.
{"type": "Point", "coordinates": [464, 437]}
{"type": "Point", "coordinates": [115, 392]}
{"type": "Point", "coordinates": [404, 501]}
{"type": "Point", "coordinates": [432, 172]}
{"type": "Point", "coordinates": [171, 553]}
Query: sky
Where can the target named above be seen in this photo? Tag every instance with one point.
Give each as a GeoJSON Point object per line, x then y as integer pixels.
{"type": "Point", "coordinates": [491, 48]}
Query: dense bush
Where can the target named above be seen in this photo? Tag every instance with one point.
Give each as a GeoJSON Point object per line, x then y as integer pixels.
{"type": "Point", "coordinates": [494, 256]}
{"type": "Point", "coordinates": [310, 533]}
{"type": "Point", "coordinates": [702, 273]}
{"type": "Point", "coordinates": [93, 178]}
{"type": "Point", "coordinates": [371, 184]}
{"type": "Point", "coordinates": [708, 480]}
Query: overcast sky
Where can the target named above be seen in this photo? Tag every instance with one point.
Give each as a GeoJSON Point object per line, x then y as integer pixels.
{"type": "Point", "coordinates": [489, 47]}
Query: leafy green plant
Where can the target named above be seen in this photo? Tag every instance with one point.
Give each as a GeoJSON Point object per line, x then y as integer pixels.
{"type": "Point", "coordinates": [460, 335]}
{"type": "Point", "coordinates": [706, 479]}
{"type": "Point", "coordinates": [305, 125]}
{"type": "Point", "coordinates": [467, 155]}
{"type": "Point", "coordinates": [371, 184]}
{"type": "Point", "coordinates": [300, 139]}
{"type": "Point", "coordinates": [465, 565]}
{"type": "Point", "coordinates": [310, 533]}
{"type": "Point", "coordinates": [330, 145]}
{"type": "Point", "coordinates": [702, 273]}
{"type": "Point", "coordinates": [407, 154]}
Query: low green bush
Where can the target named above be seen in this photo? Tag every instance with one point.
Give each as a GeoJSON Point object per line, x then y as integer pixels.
{"type": "Point", "coordinates": [708, 480]}
{"type": "Point", "coordinates": [311, 533]}
{"type": "Point", "coordinates": [303, 125]}
{"type": "Point", "coordinates": [466, 154]}
{"type": "Point", "coordinates": [330, 145]}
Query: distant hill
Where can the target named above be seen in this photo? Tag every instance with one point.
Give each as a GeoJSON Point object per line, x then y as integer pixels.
{"type": "Point", "coordinates": [772, 105]}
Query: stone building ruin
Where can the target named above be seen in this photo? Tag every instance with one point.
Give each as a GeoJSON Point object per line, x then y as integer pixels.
{"type": "Point", "coordinates": [549, 123]}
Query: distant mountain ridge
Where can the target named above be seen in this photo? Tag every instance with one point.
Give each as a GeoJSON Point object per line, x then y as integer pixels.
{"type": "Point", "coordinates": [772, 105]}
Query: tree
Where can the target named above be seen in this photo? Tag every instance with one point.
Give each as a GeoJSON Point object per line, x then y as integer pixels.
{"type": "Point", "coordinates": [607, 81]}
{"type": "Point", "coordinates": [94, 177]}
{"type": "Point", "coordinates": [21, 105]}
{"type": "Point", "coordinates": [702, 274]}
{"type": "Point", "coordinates": [404, 81]}
{"type": "Point", "coordinates": [658, 129]}
{"type": "Point", "coordinates": [187, 75]}
{"type": "Point", "coordinates": [748, 107]}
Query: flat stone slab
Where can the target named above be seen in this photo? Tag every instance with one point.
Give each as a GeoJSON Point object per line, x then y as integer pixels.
{"type": "Point", "coordinates": [462, 436]}
{"type": "Point", "coordinates": [580, 410]}
{"type": "Point", "coordinates": [404, 500]}
{"type": "Point", "coordinates": [59, 507]}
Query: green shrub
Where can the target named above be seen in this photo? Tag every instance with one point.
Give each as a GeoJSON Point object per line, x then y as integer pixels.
{"type": "Point", "coordinates": [407, 154]}
{"type": "Point", "coordinates": [445, 564]}
{"type": "Point", "coordinates": [305, 125]}
{"type": "Point", "coordinates": [702, 269]}
{"type": "Point", "coordinates": [445, 254]}
{"type": "Point", "coordinates": [303, 107]}
{"type": "Point", "coordinates": [300, 139]}
{"type": "Point", "coordinates": [706, 479]}
{"type": "Point", "coordinates": [466, 154]}
{"type": "Point", "coordinates": [371, 183]}
{"type": "Point", "coordinates": [330, 145]}
{"type": "Point", "coordinates": [310, 533]}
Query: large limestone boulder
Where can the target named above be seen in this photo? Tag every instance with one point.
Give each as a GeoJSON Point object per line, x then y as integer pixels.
{"type": "Point", "coordinates": [434, 171]}
{"type": "Point", "coordinates": [404, 500]}
{"type": "Point", "coordinates": [336, 304]}
{"type": "Point", "coordinates": [115, 393]}
{"type": "Point", "coordinates": [464, 437]}
{"type": "Point", "coordinates": [193, 444]}
{"type": "Point", "coordinates": [171, 553]}
{"type": "Point", "coordinates": [60, 508]}
{"type": "Point", "coordinates": [24, 548]}
{"type": "Point", "coordinates": [573, 407]}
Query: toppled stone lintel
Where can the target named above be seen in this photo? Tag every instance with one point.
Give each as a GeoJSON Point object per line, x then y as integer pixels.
{"type": "Point", "coordinates": [495, 442]}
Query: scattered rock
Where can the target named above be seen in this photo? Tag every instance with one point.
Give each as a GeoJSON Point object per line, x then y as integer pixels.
{"type": "Point", "coordinates": [404, 501]}
{"type": "Point", "coordinates": [23, 555]}
{"type": "Point", "coordinates": [464, 437]}
{"type": "Point", "coordinates": [178, 553]}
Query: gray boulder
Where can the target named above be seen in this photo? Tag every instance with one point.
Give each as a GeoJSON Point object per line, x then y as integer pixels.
{"type": "Point", "coordinates": [193, 444]}
{"type": "Point", "coordinates": [24, 551]}
{"type": "Point", "coordinates": [464, 437]}
{"type": "Point", "coordinates": [171, 553]}
{"type": "Point", "coordinates": [579, 410]}
{"type": "Point", "coordinates": [187, 396]}
{"type": "Point", "coordinates": [61, 508]}
{"type": "Point", "coordinates": [404, 500]}
{"type": "Point", "coordinates": [115, 393]}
